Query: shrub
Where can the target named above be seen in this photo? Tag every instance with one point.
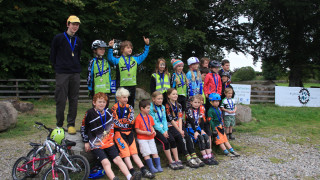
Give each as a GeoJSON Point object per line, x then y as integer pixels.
{"type": "Point", "coordinates": [244, 74]}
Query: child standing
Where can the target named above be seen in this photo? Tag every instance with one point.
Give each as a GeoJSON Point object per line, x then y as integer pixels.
{"type": "Point", "coordinates": [145, 135]}
{"type": "Point", "coordinates": [97, 132]}
{"type": "Point", "coordinates": [225, 64]}
{"type": "Point", "coordinates": [123, 118]}
{"type": "Point", "coordinates": [204, 73]}
{"type": "Point", "coordinates": [179, 81]}
{"type": "Point", "coordinates": [225, 77]}
{"type": "Point", "coordinates": [99, 77]}
{"type": "Point", "coordinates": [176, 131]}
{"type": "Point", "coordinates": [157, 111]}
{"type": "Point", "coordinates": [160, 79]}
{"type": "Point", "coordinates": [127, 66]}
{"type": "Point", "coordinates": [195, 120]}
{"type": "Point", "coordinates": [194, 78]}
{"type": "Point", "coordinates": [216, 122]}
{"type": "Point", "coordinates": [212, 82]}
{"type": "Point", "coordinates": [228, 105]}
{"type": "Point", "coordinates": [204, 63]}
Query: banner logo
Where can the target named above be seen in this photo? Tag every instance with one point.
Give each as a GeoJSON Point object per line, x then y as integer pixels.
{"type": "Point", "coordinates": [304, 96]}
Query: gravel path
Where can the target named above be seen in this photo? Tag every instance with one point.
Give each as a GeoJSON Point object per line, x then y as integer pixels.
{"type": "Point", "coordinates": [261, 158]}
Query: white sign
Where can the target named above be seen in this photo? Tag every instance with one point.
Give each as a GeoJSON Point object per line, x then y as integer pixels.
{"type": "Point", "coordinates": [297, 96]}
{"type": "Point", "coordinates": [243, 93]}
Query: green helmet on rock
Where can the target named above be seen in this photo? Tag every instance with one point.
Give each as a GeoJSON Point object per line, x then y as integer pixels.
{"type": "Point", "coordinates": [57, 135]}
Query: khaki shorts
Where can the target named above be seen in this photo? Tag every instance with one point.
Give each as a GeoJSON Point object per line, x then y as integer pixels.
{"type": "Point", "coordinates": [147, 147]}
{"type": "Point", "coordinates": [229, 121]}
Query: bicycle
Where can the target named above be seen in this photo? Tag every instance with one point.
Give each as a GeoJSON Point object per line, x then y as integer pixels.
{"type": "Point", "coordinates": [24, 168]}
{"type": "Point", "coordinates": [78, 166]}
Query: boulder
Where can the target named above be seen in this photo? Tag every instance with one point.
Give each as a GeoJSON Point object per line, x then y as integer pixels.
{"type": "Point", "coordinates": [22, 106]}
{"type": "Point", "coordinates": [79, 148]}
{"type": "Point", "coordinates": [8, 115]}
{"type": "Point", "coordinates": [142, 94]}
{"type": "Point", "coordinates": [243, 114]}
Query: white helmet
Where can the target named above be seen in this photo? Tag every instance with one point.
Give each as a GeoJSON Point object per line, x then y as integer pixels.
{"type": "Point", "coordinates": [193, 60]}
{"type": "Point", "coordinates": [98, 44]}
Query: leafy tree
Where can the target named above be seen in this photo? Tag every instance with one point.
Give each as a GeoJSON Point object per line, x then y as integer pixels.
{"type": "Point", "coordinates": [288, 31]}
{"type": "Point", "coordinates": [244, 74]}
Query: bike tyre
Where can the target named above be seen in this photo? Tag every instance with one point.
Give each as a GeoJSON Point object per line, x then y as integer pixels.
{"type": "Point", "coordinates": [17, 164]}
{"type": "Point", "coordinates": [80, 162]}
{"type": "Point", "coordinates": [62, 172]}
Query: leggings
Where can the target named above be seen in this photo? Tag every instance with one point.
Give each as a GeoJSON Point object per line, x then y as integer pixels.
{"type": "Point", "coordinates": [176, 136]}
{"type": "Point", "coordinates": [166, 143]}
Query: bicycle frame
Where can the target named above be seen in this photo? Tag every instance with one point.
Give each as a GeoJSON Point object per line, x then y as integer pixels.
{"type": "Point", "coordinates": [35, 170]}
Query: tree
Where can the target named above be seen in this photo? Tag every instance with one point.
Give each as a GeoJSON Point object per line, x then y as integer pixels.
{"type": "Point", "coordinates": [288, 31]}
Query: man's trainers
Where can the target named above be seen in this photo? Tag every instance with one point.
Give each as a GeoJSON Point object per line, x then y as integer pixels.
{"type": "Point", "coordinates": [231, 137]}
{"type": "Point", "coordinates": [200, 163]}
{"type": "Point", "coordinates": [235, 154]}
{"type": "Point", "coordinates": [213, 161]}
{"type": "Point", "coordinates": [72, 130]}
{"type": "Point", "coordinates": [173, 166]}
{"type": "Point", "coordinates": [147, 174]}
{"type": "Point", "coordinates": [136, 175]}
{"type": "Point", "coordinates": [192, 163]}
{"type": "Point", "coordinates": [179, 164]}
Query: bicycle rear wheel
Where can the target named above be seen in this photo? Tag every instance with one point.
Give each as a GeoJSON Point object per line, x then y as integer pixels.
{"type": "Point", "coordinates": [20, 169]}
{"type": "Point", "coordinates": [57, 173]}
{"type": "Point", "coordinates": [80, 169]}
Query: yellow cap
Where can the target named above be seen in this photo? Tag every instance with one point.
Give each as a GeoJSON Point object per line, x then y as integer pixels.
{"type": "Point", "coordinates": [73, 19]}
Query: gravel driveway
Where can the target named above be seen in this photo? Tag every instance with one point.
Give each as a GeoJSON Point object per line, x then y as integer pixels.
{"type": "Point", "coordinates": [261, 158]}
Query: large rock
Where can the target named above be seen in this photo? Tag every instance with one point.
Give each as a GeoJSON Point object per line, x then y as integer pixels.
{"type": "Point", "coordinates": [79, 148]}
{"type": "Point", "coordinates": [142, 94]}
{"type": "Point", "coordinates": [243, 114]}
{"type": "Point", "coordinates": [22, 106]}
{"type": "Point", "coordinates": [8, 115]}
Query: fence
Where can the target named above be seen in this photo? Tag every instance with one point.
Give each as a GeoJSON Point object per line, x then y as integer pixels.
{"type": "Point", "coordinates": [261, 91]}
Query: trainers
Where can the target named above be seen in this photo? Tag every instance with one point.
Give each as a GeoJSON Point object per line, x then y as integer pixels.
{"type": "Point", "coordinates": [231, 137]}
{"type": "Point", "coordinates": [173, 166]}
{"type": "Point", "coordinates": [235, 154]}
{"type": "Point", "coordinates": [192, 163]}
{"type": "Point", "coordinates": [229, 155]}
{"type": "Point", "coordinates": [213, 161]}
{"type": "Point", "coordinates": [72, 130]}
{"type": "Point", "coordinates": [136, 175]}
{"type": "Point", "coordinates": [206, 161]}
{"type": "Point", "coordinates": [147, 174]}
{"type": "Point", "coordinates": [179, 164]}
{"type": "Point", "coordinates": [200, 163]}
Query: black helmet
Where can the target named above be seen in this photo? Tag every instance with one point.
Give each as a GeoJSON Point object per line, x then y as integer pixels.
{"type": "Point", "coordinates": [214, 64]}
{"type": "Point", "coordinates": [98, 44]}
{"type": "Point", "coordinates": [225, 74]}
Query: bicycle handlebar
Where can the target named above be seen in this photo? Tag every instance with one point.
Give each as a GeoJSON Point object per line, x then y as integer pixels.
{"type": "Point", "coordinates": [44, 126]}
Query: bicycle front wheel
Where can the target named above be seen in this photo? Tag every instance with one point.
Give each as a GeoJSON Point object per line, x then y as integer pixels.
{"type": "Point", "coordinates": [20, 169]}
{"type": "Point", "coordinates": [80, 168]}
{"type": "Point", "coordinates": [56, 173]}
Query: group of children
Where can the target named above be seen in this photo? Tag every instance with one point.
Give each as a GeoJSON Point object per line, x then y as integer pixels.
{"type": "Point", "coordinates": [185, 110]}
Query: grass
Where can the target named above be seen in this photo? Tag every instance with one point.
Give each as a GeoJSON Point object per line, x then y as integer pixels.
{"type": "Point", "coordinates": [306, 85]}
{"type": "Point", "coordinates": [299, 125]}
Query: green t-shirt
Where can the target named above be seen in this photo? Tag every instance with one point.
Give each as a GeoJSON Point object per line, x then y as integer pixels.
{"type": "Point", "coordinates": [214, 119]}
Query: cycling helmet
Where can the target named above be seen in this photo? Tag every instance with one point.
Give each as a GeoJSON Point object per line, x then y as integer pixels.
{"type": "Point", "coordinates": [213, 64]}
{"type": "Point", "coordinates": [193, 60]}
{"type": "Point", "coordinates": [98, 44]}
{"type": "Point", "coordinates": [57, 135]}
{"type": "Point", "coordinates": [214, 97]}
{"type": "Point", "coordinates": [225, 74]}
{"type": "Point", "coordinates": [96, 172]}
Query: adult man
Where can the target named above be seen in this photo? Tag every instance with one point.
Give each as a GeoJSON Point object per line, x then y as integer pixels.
{"type": "Point", "coordinates": [65, 57]}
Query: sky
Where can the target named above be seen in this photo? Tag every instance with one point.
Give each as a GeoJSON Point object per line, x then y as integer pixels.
{"type": "Point", "coordinates": [240, 60]}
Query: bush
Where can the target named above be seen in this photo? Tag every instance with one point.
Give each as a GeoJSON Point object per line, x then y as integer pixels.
{"type": "Point", "coordinates": [244, 74]}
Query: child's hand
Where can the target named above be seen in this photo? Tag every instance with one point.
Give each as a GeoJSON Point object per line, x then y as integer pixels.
{"type": "Point", "coordinates": [146, 40]}
{"type": "Point", "coordinates": [87, 147]}
{"type": "Point", "coordinates": [149, 133]}
{"type": "Point", "coordinates": [182, 133]}
{"type": "Point", "coordinates": [202, 132]}
{"type": "Point", "coordinates": [166, 135]}
{"type": "Point", "coordinates": [196, 134]}
{"type": "Point", "coordinates": [111, 43]}
{"type": "Point", "coordinates": [154, 133]}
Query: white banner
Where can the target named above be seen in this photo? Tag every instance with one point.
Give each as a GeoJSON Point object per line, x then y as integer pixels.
{"type": "Point", "coordinates": [243, 93]}
{"type": "Point", "coordinates": [297, 96]}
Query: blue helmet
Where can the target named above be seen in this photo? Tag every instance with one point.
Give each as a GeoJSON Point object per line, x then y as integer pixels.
{"type": "Point", "coordinates": [214, 97]}
{"type": "Point", "coordinates": [96, 173]}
